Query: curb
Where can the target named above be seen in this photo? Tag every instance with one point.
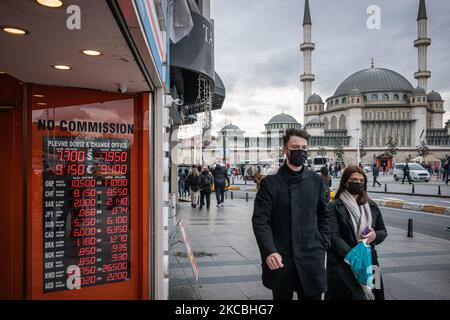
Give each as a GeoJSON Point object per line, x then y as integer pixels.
{"type": "Point", "coordinates": [409, 194]}
{"type": "Point", "coordinates": [430, 208]}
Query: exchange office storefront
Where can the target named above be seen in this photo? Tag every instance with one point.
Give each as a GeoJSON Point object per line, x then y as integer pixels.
{"type": "Point", "coordinates": [76, 191]}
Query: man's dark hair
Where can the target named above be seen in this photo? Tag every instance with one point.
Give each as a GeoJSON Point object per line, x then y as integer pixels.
{"type": "Point", "coordinates": [294, 132]}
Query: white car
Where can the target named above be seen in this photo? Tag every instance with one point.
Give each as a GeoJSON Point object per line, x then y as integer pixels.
{"type": "Point", "coordinates": [416, 171]}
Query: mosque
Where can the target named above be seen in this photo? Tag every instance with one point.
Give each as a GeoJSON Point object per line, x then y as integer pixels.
{"type": "Point", "coordinates": [374, 104]}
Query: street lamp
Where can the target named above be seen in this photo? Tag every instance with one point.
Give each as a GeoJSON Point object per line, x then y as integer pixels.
{"type": "Point", "coordinates": [357, 144]}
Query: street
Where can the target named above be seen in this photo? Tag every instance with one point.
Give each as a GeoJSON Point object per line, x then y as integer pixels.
{"type": "Point", "coordinates": [424, 223]}
{"type": "Point", "coordinates": [230, 264]}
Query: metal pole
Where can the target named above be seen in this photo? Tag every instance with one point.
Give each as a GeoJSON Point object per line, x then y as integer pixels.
{"type": "Point", "coordinates": [357, 144]}
{"type": "Point", "coordinates": [246, 196]}
{"type": "Point", "coordinates": [413, 191]}
{"type": "Point", "coordinates": [439, 190]}
{"type": "Point", "coordinates": [410, 228]}
{"type": "Point", "coordinates": [385, 187]}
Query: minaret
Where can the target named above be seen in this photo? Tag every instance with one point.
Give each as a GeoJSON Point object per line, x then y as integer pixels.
{"type": "Point", "coordinates": [307, 47]}
{"type": "Point", "coordinates": [422, 44]}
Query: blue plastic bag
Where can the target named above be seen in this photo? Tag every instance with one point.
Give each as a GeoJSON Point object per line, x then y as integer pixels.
{"type": "Point", "coordinates": [360, 260]}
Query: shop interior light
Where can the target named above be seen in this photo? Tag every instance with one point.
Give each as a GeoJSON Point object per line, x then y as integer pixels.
{"type": "Point", "coordinates": [92, 53]}
{"type": "Point", "coordinates": [41, 104]}
{"type": "Point", "coordinates": [2, 72]}
{"type": "Point", "coordinates": [14, 30]}
{"type": "Point", "coordinates": [61, 67]}
{"type": "Point", "coordinates": [38, 96]}
{"type": "Point", "coordinates": [50, 3]}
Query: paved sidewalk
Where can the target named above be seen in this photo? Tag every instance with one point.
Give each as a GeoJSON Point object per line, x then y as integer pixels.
{"type": "Point", "coordinates": [229, 261]}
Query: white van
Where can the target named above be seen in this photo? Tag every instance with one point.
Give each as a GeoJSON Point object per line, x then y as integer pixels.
{"type": "Point", "coordinates": [416, 171]}
{"type": "Point", "coordinates": [319, 162]}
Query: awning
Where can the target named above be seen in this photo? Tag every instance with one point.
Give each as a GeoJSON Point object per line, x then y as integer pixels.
{"type": "Point", "coordinates": [219, 93]}
{"type": "Point", "coordinates": [192, 61]}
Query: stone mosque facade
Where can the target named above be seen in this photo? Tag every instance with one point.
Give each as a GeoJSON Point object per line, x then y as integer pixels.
{"type": "Point", "coordinates": [375, 104]}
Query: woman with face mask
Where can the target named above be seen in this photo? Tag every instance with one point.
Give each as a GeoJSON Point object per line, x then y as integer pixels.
{"type": "Point", "coordinates": [354, 218]}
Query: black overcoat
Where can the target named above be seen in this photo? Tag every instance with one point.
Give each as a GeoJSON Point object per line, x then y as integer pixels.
{"type": "Point", "coordinates": [291, 217]}
{"type": "Point", "coordinates": [342, 284]}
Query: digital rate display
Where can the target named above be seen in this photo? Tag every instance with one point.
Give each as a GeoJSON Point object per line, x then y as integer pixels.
{"type": "Point", "coordinates": [86, 212]}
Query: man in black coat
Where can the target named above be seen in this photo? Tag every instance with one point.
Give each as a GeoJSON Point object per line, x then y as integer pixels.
{"type": "Point", "coordinates": [291, 223]}
{"type": "Point", "coordinates": [376, 173]}
{"type": "Point", "coordinates": [220, 179]}
{"type": "Point", "coordinates": [406, 174]}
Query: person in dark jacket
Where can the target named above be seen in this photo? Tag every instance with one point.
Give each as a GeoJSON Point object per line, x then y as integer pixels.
{"type": "Point", "coordinates": [376, 173]}
{"type": "Point", "coordinates": [181, 182]}
{"type": "Point", "coordinates": [352, 211]}
{"type": "Point", "coordinates": [406, 174]}
{"type": "Point", "coordinates": [192, 182]}
{"type": "Point", "coordinates": [291, 225]}
{"type": "Point", "coordinates": [206, 181]}
{"type": "Point", "coordinates": [220, 179]}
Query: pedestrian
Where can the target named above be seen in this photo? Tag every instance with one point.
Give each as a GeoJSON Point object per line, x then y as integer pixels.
{"type": "Point", "coordinates": [205, 186]}
{"type": "Point", "coordinates": [330, 169]}
{"type": "Point", "coordinates": [326, 181]}
{"type": "Point", "coordinates": [447, 173]}
{"type": "Point", "coordinates": [181, 182]}
{"type": "Point", "coordinates": [376, 173]}
{"type": "Point", "coordinates": [220, 180]}
{"type": "Point", "coordinates": [257, 178]}
{"type": "Point", "coordinates": [242, 171]}
{"type": "Point", "coordinates": [384, 169]}
{"type": "Point", "coordinates": [406, 174]}
{"type": "Point", "coordinates": [193, 183]}
{"type": "Point", "coordinates": [291, 225]}
{"type": "Point", "coordinates": [351, 212]}
{"type": "Point", "coordinates": [186, 188]}
{"type": "Point", "coordinates": [444, 172]}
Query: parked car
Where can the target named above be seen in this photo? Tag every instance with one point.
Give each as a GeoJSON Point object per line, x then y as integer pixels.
{"type": "Point", "coordinates": [416, 171]}
{"type": "Point", "coordinates": [367, 168]}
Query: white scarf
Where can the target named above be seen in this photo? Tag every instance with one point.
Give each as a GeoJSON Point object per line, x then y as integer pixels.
{"type": "Point", "coordinates": [361, 218]}
{"type": "Point", "coordinates": [360, 214]}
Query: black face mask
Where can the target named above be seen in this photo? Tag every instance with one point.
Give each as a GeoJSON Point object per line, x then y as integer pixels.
{"type": "Point", "coordinates": [298, 157]}
{"type": "Point", "coordinates": [355, 187]}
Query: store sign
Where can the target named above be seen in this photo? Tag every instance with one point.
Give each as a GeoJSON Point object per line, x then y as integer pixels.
{"type": "Point", "coordinates": [86, 212]}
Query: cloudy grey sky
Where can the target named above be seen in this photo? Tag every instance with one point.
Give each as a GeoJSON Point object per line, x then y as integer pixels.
{"type": "Point", "coordinates": [257, 51]}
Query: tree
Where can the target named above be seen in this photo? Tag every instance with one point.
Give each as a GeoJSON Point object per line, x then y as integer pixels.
{"type": "Point", "coordinates": [391, 146]}
{"type": "Point", "coordinates": [339, 153]}
{"type": "Point", "coordinates": [423, 150]}
{"type": "Point", "coordinates": [322, 152]}
{"type": "Point", "coordinates": [362, 150]}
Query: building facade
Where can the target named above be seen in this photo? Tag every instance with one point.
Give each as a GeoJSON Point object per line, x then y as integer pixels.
{"type": "Point", "coordinates": [375, 105]}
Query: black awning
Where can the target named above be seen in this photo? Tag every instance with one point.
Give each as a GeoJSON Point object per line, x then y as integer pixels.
{"type": "Point", "coordinates": [219, 93]}
{"type": "Point", "coordinates": [195, 52]}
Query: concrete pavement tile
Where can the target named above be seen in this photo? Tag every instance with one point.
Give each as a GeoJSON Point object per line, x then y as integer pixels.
{"type": "Point", "coordinates": [221, 292]}
{"type": "Point", "coordinates": [255, 290]}
{"type": "Point", "coordinates": [441, 290]}
{"type": "Point", "coordinates": [400, 290]}
{"type": "Point", "coordinates": [240, 270]}
{"type": "Point", "coordinates": [182, 293]}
